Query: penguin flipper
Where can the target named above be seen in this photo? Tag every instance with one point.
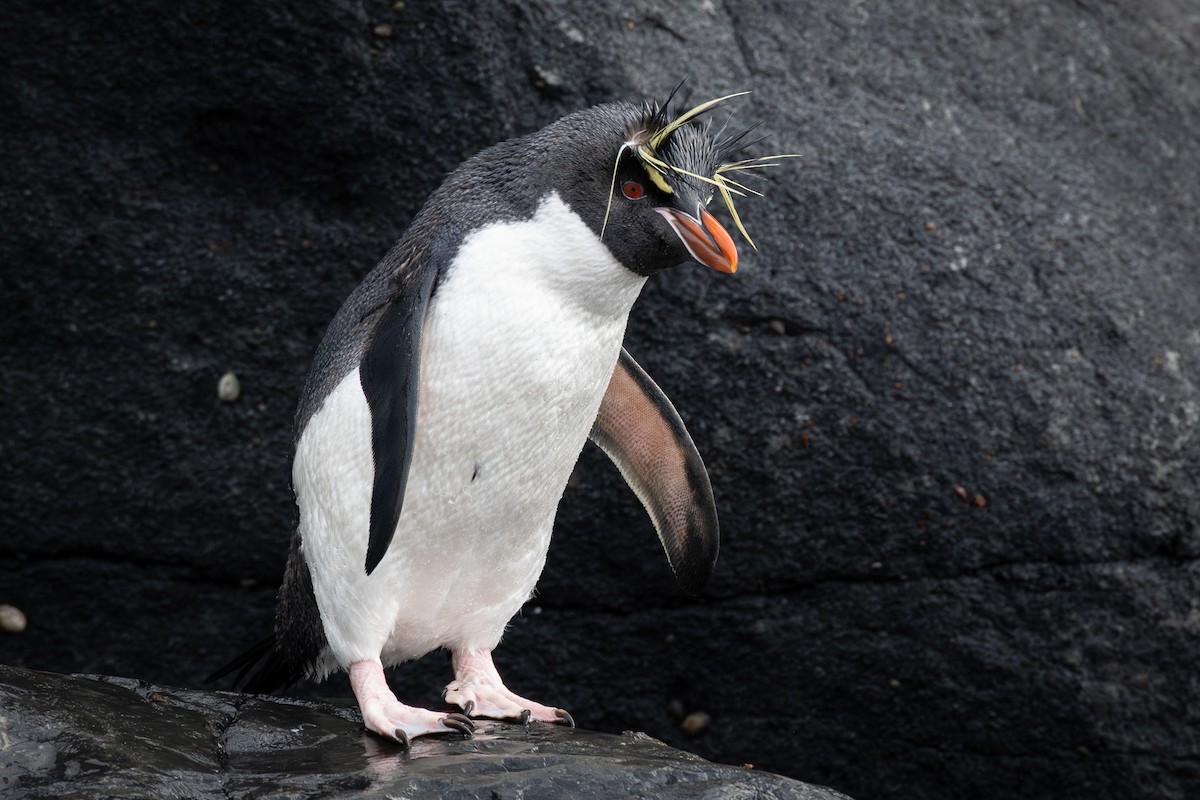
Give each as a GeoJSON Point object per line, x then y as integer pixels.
{"type": "Point", "coordinates": [642, 433]}
{"type": "Point", "coordinates": [390, 376]}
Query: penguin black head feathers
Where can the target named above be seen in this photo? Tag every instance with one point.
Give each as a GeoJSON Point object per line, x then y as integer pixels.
{"type": "Point", "coordinates": [662, 166]}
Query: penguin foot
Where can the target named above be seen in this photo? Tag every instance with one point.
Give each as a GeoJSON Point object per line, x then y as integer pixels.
{"type": "Point", "coordinates": [385, 715]}
{"type": "Point", "coordinates": [478, 690]}
{"type": "Point", "coordinates": [402, 723]}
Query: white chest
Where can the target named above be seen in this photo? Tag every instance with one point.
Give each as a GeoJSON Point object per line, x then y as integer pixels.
{"type": "Point", "coordinates": [522, 337]}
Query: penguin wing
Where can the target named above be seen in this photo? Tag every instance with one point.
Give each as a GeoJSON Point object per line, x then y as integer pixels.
{"type": "Point", "coordinates": [390, 376]}
{"type": "Point", "coordinates": [642, 433]}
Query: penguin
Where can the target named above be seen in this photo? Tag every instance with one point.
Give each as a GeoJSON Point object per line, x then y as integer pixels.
{"type": "Point", "coordinates": [455, 388]}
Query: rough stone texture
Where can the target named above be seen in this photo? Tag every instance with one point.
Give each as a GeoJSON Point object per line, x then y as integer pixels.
{"type": "Point", "coordinates": [980, 282]}
{"type": "Point", "coordinates": [89, 737]}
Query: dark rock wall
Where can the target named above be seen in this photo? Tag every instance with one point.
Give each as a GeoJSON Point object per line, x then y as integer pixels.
{"type": "Point", "coordinates": [950, 408]}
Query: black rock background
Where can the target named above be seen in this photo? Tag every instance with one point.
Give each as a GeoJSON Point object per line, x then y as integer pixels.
{"type": "Point", "coordinates": [950, 408]}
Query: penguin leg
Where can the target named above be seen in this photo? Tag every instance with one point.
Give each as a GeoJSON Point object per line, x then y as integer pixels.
{"type": "Point", "coordinates": [387, 716]}
{"type": "Point", "coordinates": [478, 690]}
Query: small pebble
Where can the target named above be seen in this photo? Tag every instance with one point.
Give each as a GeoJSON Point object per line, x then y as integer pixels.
{"type": "Point", "coordinates": [695, 723]}
{"type": "Point", "coordinates": [777, 326]}
{"type": "Point", "coordinates": [979, 500]}
{"type": "Point", "coordinates": [383, 31]}
{"type": "Point", "coordinates": [546, 77]}
{"type": "Point", "coordinates": [398, 6]}
{"type": "Point", "coordinates": [12, 619]}
{"type": "Point", "coordinates": [229, 388]}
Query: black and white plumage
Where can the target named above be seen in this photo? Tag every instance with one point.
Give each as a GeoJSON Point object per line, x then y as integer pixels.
{"type": "Point", "coordinates": [455, 388]}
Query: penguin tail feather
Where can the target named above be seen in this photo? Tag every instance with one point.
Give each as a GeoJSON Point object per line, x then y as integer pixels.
{"type": "Point", "coordinates": [262, 669]}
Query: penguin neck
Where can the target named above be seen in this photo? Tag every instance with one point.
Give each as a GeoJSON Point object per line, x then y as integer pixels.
{"type": "Point", "coordinates": [555, 253]}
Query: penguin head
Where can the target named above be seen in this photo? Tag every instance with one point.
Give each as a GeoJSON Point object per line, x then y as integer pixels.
{"type": "Point", "coordinates": [642, 177]}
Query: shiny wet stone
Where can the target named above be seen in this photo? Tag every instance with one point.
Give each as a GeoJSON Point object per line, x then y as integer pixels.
{"type": "Point", "coordinates": [96, 737]}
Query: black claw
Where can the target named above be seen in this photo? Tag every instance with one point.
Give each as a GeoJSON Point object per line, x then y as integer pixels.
{"type": "Point", "coordinates": [468, 707]}
{"type": "Point", "coordinates": [459, 723]}
{"type": "Point", "coordinates": [525, 715]}
{"type": "Point", "coordinates": [470, 723]}
{"type": "Point", "coordinates": [400, 736]}
{"type": "Point", "coordinates": [564, 716]}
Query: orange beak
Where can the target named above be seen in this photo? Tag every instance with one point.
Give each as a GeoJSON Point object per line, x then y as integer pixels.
{"type": "Point", "coordinates": [704, 238]}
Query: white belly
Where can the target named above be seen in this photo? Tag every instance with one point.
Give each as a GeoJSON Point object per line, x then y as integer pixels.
{"type": "Point", "coordinates": [519, 343]}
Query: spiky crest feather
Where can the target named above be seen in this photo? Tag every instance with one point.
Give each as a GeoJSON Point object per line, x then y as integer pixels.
{"type": "Point", "coordinates": [651, 145]}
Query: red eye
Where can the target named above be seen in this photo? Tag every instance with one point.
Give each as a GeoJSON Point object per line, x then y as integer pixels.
{"type": "Point", "coordinates": [633, 190]}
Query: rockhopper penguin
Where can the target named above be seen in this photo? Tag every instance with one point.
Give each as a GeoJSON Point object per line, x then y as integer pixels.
{"type": "Point", "coordinates": [455, 388]}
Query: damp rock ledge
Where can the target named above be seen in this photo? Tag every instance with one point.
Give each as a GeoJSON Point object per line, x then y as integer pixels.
{"type": "Point", "coordinates": [85, 736]}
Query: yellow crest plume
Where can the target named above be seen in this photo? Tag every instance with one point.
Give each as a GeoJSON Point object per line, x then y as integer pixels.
{"type": "Point", "coordinates": [647, 144]}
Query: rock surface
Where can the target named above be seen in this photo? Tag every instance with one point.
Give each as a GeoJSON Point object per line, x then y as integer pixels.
{"type": "Point", "coordinates": [951, 407]}
{"type": "Point", "coordinates": [96, 737]}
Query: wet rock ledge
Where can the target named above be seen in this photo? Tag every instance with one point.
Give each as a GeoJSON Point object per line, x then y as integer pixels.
{"type": "Point", "coordinates": [83, 736]}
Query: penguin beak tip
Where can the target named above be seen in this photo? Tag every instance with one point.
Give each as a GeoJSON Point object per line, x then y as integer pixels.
{"type": "Point", "coordinates": [705, 238]}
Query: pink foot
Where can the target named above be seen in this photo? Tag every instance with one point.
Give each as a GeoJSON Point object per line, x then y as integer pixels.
{"type": "Point", "coordinates": [479, 692]}
{"type": "Point", "coordinates": [387, 716]}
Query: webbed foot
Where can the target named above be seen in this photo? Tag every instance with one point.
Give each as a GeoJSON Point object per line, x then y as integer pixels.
{"type": "Point", "coordinates": [479, 691]}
